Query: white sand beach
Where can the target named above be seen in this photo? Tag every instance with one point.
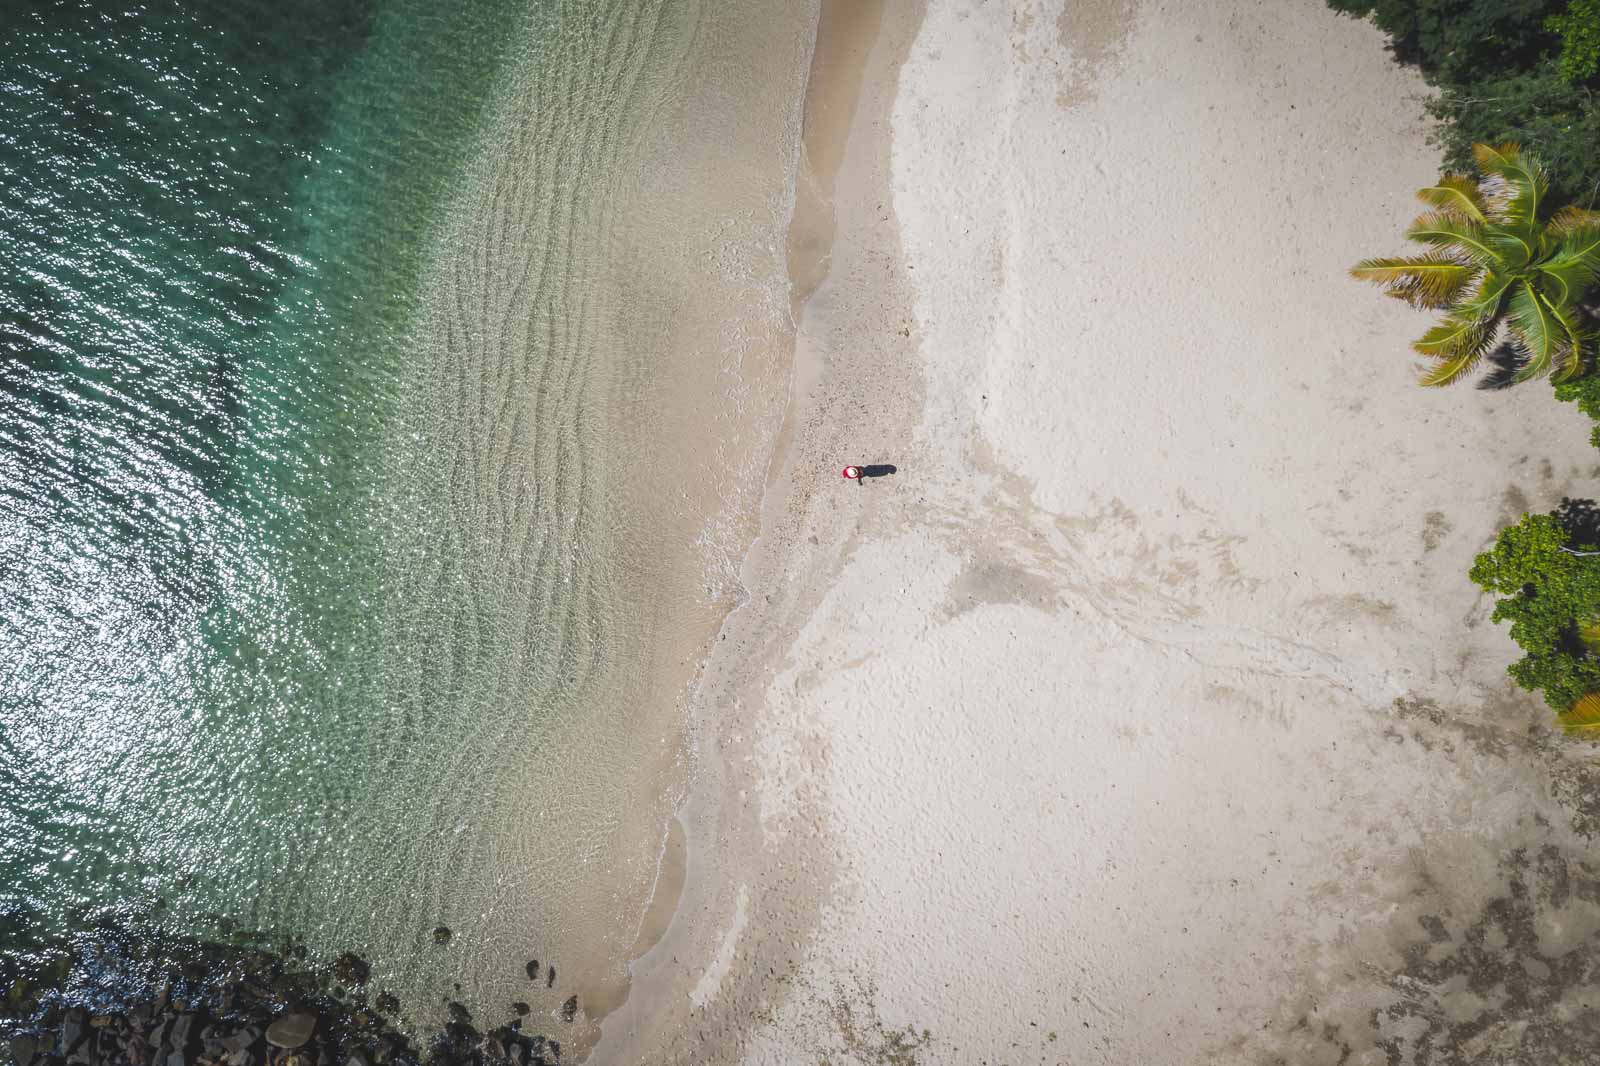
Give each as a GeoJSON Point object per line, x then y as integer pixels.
{"type": "Point", "coordinates": [1145, 713]}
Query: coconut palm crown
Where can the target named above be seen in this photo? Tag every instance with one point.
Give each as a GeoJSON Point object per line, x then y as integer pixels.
{"type": "Point", "coordinates": [1494, 264]}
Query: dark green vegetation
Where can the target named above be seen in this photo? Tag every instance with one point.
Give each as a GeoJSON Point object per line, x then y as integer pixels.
{"type": "Point", "coordinates": [1519, 248]}
{"type": "Point", "coordinates": [1549, 591]}
{"type": "Point", "coordinates": [1497, 258]}
{"type": "Point", "coordinates": [1507, 70]}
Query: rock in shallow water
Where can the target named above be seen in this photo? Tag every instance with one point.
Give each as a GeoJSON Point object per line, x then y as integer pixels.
{"type": "Point", "coordinates": [442, 935]}
{"type": "Point", "coordinates": [292, 1030]}
{"type": "Point", "coordinates": [351, 968]}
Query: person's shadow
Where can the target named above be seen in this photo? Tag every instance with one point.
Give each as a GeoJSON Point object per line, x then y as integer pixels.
{"type": "Point", "coordinates": [879, 470]}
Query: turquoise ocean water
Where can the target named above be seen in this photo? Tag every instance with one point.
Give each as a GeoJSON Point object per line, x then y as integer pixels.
{"type": "Point", "coordinates": [261, 654]}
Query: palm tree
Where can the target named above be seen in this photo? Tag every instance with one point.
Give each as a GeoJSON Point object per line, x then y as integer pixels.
{"type": "Point", "coordinates": [1493, 263]}
{"type": "Point", "coordinates": [1582, 719]}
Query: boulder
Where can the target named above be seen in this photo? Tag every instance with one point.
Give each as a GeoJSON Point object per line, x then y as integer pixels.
{"type": "Point", "coordinates": [292, 1030]}
{"type": "Point", "coordinates": [351, 968]}
{"type": "Point", "coordinates": [23, 1050]}
{"type": "Point", "coordinates": [73, 1026]}
{"type": "Point", "coordinates": [442, 935]}
{"type": "Point", "coordinates": [569, 1009]}
{"type": "Point", "coordinates": [533, 969]}
{"type": "Point", "coordinates": [241, 1040]}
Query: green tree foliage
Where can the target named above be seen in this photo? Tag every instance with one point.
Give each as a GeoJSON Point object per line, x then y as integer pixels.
{"type": "Point", "coordinates": [1507, 70]}
{"type": "Point", "coordinates": [1494, 262]}
{"type": "Point", "coordinates": [1551, 597]}
{"type": "Point", "coordinates": [1585, 392]}
{"type": "Point", "coordinates": [1580, 39]}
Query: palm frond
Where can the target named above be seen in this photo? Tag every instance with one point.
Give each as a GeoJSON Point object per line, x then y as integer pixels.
{"type": "Point", "coordinates": [1486, 302]}
{"type": "Point", "coordinates": [1455, 195]}
{"type": "Point", "coordinates": [1514, 246]}
{"type": "Point", "coordinates": [1458, 347]}
{"type": "Point", "coordinates": [1525, 181]}
{"type": "Point", "coordinates": [1572, 270]}
{"type": "Point", "coordinates": [1433, 280]}
{"type": "Point", "coordinates": [1582, 719]}
{"type": "Point", "coordinates": [1441, 231]}
{"type": "Point", "coordinates": [1449, 337]}
{"type": "Point", "coordinates": [1573, 352]}
{"type": "Point", "coordinates": [1573, 265]}
{"type": "Point", "coordinates": [1571, 220]}
{"type": "Point", "coordinates": [1537, 330]}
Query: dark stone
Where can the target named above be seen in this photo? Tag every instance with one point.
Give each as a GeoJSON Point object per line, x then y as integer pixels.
{"type": "Point", "coordinates": [459, 1013]}
{"type": "Point", "coordinates": [72, 1029]}
{"type": "Point", "coordinates": [533, 969]}
{"type": "Point", "coordinates": [292, 1030]}
{"type": "Point", "coordinates": [23, 1049]}
{"type": "Point", "coordinates": [569, 1009]}
{"type": "Point", "coordinates": [555, 1051]}
{"type": "Point", "coordinates": [241, 1039]}
{"type": "Point", "coordinates": [387, 1003]}
{"type": "Point", "coordinates": [442, 935]}
{"type": "Point", "coordinates": [352, 969]}
{"type": "Point", "coordinates": [550, 978]}
{"type": "Point", "coordinates": [520, 1009]}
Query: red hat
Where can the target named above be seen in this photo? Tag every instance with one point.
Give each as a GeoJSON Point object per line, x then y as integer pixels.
{"type": "Point", "coordinates": [852, 472]}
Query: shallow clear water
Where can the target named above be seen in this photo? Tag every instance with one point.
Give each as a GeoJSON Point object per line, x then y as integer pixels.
{"type": "Point", "coordinates": [306, 548]}
{"type": "Point", "coordinates": [361, 366]}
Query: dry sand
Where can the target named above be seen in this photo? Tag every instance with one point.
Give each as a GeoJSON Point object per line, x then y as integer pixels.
{"type": "Point", "coordinates": [1146, 713]}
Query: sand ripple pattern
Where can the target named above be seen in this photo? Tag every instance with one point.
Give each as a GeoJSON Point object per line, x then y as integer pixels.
{"type": "Point", "coordinates": [520, 606]}
{"type": "Point", "coordinates": [318, 612]}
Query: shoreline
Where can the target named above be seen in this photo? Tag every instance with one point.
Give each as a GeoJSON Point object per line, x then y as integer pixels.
{"type": "Point", "coordinates": [1115, 726]}
{"type": "Point", "coordinates": [583, 239]}
{"type": "Point", "coordinates": [695, 963]}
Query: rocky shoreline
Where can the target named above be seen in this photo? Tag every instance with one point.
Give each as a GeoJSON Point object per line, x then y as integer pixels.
{"type": "Point", "coordinates": [120, 999]}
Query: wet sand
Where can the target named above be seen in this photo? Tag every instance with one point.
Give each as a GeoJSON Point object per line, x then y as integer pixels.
{"type": "Point", "coordinates": [1146, 713]}
{"type": "Point", "coordinates": [612, 340]}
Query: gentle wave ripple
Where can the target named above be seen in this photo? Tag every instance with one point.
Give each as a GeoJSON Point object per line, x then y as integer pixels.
{"type": "Point", "coordinates": [213, 222]}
